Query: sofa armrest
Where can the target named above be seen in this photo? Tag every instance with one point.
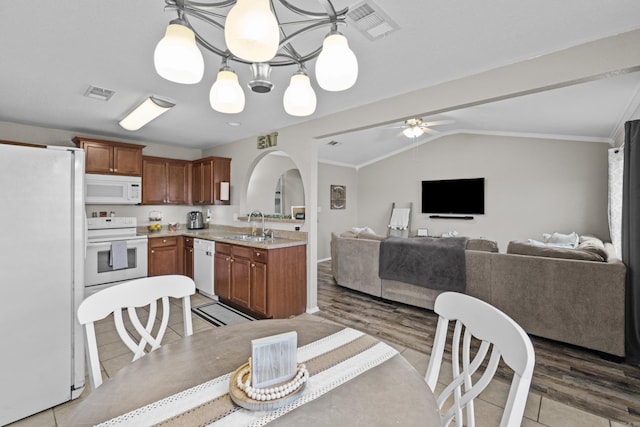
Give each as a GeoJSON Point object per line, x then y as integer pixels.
{"type": "Point", "coordinates": [355, 264]}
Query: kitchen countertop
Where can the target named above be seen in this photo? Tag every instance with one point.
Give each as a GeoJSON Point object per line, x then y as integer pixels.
{"type": "Point", "coordinates": [283, 239]}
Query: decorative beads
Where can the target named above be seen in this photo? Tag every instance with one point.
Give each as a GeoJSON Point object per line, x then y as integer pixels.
{"type": "Point", "coordinates": [271, 393]}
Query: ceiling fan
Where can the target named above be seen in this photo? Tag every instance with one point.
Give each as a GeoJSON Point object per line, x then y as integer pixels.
{"type": "Point", "coordinates": [413, 128]}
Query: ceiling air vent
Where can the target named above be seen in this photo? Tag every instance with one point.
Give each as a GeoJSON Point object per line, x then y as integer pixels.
{"type": "Point", "coordinates": [333, 143]}
{"type": "Point", "coordinates": [370, 20]}
{"type": "Point", "coordinates": [96, 92]}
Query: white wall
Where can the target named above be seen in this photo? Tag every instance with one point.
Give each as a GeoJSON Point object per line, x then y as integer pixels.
{"type": "Point", "coordinates": [532, 186]}
{"type": "Point", "coordinates": [335, 220]}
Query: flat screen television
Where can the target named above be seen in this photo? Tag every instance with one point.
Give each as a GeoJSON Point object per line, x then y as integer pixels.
{"type": "Point", "coordinates": [453, 196]}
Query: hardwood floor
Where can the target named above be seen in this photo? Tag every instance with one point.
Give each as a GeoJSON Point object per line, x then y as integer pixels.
{"type": "Point", "coordinates": [573, 376]}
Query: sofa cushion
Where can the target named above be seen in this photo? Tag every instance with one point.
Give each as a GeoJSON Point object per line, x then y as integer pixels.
{"type": "Point", "coordinates": [371, 236]}
{"type": "Point", "coordinates": [594, 245]}
{"type": "Point", "coordinates": [525, 248]}
{"type": "Point", "coordinates": [349, 234]}
{"type": "Point", "coordinates": [482, 245]}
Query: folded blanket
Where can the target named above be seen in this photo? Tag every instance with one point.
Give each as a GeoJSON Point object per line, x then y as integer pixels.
{"type": "Point", "coordinates": [435, 263]}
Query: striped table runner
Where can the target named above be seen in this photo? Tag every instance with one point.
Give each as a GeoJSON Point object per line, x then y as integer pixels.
{"type": "Point", "coordinates": [331, 361]}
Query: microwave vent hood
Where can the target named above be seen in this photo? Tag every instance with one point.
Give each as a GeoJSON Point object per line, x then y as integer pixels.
{"type": "Point", "coordinates": [112, 189]}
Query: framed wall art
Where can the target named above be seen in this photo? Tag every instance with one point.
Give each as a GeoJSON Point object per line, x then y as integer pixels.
{"type": "Point", "coordinates": [338, 197]}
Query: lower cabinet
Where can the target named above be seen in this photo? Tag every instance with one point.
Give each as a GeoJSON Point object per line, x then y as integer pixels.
{"type": "Point", "coordinates": [265, 283]}
{"type": "Point", "coordinates": [163, 256]}
{"type": "Point", "coordinates": [187, 256]}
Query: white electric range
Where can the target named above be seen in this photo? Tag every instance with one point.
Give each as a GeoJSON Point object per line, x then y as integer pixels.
{"type": "Point", "coordinates": [106, 236]}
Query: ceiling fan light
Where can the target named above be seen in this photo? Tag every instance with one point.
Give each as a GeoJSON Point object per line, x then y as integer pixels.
{"type": "Point", "coordinates": [299, 98]}
{"type": "Point", "coordinates": [226, 95]}
{"type": "Point", "coordinates": [337, 65]}
{"type": "Point", "coordinates": [251, 31]}
{"type": "Point", "coordinates": [177, 57]}
{"type": "Point", "coordinates": [413, 132]}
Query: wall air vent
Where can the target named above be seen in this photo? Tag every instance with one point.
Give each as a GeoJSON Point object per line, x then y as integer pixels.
{"type": "Point", "coordinates": [370, 20]}
{"type": "Point", "coordinates": [100, 93]}
{"type": "Point", "coordinates": [333, 143]}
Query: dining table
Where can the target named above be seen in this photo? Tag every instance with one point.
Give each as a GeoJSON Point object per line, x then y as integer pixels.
{"type": "Point", "coordinates": [354, 380]}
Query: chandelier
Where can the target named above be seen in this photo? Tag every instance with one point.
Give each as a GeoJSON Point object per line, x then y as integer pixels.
{"type": "Point", "coordinates": [256, 34]}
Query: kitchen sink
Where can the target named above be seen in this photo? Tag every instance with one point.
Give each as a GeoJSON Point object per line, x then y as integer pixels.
{"type": "Point", "coordinates": [249, 238]}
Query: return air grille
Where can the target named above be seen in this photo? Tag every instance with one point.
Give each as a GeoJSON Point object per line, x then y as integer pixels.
{"type": "Point", "coordinates": [96, 92]}
{"type": "Point", "coordinates": [370, 20]}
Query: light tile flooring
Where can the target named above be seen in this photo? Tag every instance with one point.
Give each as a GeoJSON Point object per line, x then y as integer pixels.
{"type": "Point", "coordinates": [540, 411]}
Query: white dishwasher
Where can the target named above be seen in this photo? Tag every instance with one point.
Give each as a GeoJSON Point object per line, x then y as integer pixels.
{"type": "Point", "coordinates": [203, 251]}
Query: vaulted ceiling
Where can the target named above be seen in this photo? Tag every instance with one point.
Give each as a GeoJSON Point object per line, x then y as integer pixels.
{"type": "Point", "coordinates": [53, 51]}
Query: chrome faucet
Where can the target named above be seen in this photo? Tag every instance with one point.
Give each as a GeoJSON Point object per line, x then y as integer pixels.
{"type": "Point", "coordinates": [256, 211]}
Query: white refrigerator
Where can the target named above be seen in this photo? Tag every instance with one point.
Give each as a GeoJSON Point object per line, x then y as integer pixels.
{"type": "Point", "coordinates": [42, 249]}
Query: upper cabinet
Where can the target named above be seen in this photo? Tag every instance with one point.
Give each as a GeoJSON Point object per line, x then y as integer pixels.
{"type": "Point", "coordinates": [208, 175]}
{"type": "Point", "coordinates": [111, 158]}
{"type": "Point", "coordinates": [165, 181]}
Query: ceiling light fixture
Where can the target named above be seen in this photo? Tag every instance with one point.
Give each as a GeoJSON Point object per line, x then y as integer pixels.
{"type": "Point", "coordinates": [150, 108]}
{"type": "Point", "coordinates": [255, 33]}
{"type": "Point", "coordinates": [414, 130]}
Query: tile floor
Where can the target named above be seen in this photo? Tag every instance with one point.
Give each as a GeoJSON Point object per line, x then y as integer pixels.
{"type": "Point", "coordinates": [540, 411]}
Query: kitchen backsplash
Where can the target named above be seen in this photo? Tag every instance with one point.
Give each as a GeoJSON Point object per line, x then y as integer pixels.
{"type": "Point", "coordinates": [170, 213]}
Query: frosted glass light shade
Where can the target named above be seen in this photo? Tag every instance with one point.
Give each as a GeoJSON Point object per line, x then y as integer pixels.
{"type": "Point", "coordinates": [337, 65]}
{"type": "Point", "coordinates": [144, 113]}
{"type": "Point", "coordinates": [251, 31]}
{"type": "Point", "coordinates": [413, 132]}
{"type": "Point", "coordinates": [299, 98]}
{"type": "Point", "coordinates": [177, 57]}
{"type": "Point", "coordinates": [226, 95]}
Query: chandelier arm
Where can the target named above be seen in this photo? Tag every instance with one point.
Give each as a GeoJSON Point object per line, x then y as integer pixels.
{"type": "Point", "coordinates": [203, 16]}
{"type": "Point", "coordinates": [318, 24]}
{"type": "Point", "coordinates": [330, 10]}
{"type": "Point", "coordinates": [195, 11]}
{"type": "Point", "coordinates": [224, 3]}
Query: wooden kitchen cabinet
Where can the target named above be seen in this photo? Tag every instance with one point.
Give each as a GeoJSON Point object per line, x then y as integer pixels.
{"type": "Point", "coordinates": [187, 256]}
{"type": "Point", "coordinates": [222, 271]}
{"type": "Point", "coordinates": [208, 173]}
{"type": "Point", "coordinates": [164, 256]}
{"type": "Point", "coordinates": [264, 283]}
{"type": "Point", "coordinates": [111, 158]}
{"type": "Point", "coordinates": [165, 181]}
{"type": "Point", "coordinates": [258, 282]}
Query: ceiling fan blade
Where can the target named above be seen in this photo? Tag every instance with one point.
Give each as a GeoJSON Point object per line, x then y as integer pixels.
{"type": "Point", "coordinates": [429, 130]}
{"type": "Point", "coordinates": [438, 122]}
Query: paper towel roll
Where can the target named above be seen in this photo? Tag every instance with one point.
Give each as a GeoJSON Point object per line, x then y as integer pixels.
{"type": "Point", "coordinates": [224, 190]}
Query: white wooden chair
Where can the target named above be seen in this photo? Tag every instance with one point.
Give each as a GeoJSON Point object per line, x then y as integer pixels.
{"type": "Point", "coordinates": [496, 332]}
{"type": "Point", "coordinates": [131, 295]}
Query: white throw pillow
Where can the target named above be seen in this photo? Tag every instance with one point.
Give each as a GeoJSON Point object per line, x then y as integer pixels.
{"type": "Point", "coordinates": [358, 230]}
{"type": "Point", "coordinates": [561, 240]}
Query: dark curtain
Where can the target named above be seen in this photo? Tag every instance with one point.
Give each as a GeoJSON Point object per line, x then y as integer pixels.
{"type": "Point", "coordinates": [631, 238]}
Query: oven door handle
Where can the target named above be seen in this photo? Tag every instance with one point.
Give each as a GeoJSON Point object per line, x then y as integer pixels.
{"type": "Point", "coordinates": [130, 244]}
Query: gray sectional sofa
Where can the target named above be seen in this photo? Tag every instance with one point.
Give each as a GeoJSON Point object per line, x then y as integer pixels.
{"type": "Point", "coordinates": [575, 301]}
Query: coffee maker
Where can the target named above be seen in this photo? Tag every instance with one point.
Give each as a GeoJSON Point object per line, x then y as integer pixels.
{"type": "Point", "coordinates": [194, 220]}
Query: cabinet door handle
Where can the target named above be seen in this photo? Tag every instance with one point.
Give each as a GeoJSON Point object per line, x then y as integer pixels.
{"type": "Point", "coordinates": [115, 170]}
{"type": "Point", "coordinates": [153, 251]}
{"type": "Point", "coordinates": [110, 169]}
{"type": "Point", "coordinates": [164, 240]}
{"type": "Point", "coordinates": [253, 265]}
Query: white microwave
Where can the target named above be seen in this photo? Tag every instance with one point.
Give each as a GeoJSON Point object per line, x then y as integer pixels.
{"type": "Point", "coordinates": [112, 189]}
